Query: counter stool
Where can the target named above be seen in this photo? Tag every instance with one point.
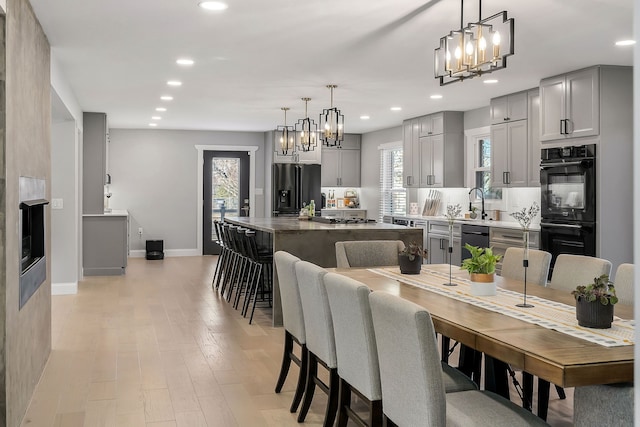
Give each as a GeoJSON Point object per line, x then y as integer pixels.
{"type": "Point", "coordinates": [263, 278]}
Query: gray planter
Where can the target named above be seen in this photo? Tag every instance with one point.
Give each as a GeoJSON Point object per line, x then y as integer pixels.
{"type": "Point", "coordinates": [408, 266]}
{"type": "Point", "coordinates": [593, 314]}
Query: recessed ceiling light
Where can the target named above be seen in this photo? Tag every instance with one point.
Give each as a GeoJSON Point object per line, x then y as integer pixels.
{"type": "Point", "coordinates": [490, 81]}
{"type": "Point", "coordinates": [625, 42]}
{"type": "Point", "coordinates": [153, 124]}
{"type": "Point", "coordinates": [184, 61]}
{"type": "Point", "coordinates": [166, 98]}
{"type": "Point", "coordinates": [156, 118]}
{"type": "Point", "coordinates": [161, 109]}
{"type": "Point", "coordinates": [174, 83]}
{"type": "Point", "coordinates": [396, 108]}
{"type": "Point", "coordinates": [213, 5]}
{"type": "Point", "coordinates": [365, 117]}
{"type": "Point", "coordinates": [436, 97]}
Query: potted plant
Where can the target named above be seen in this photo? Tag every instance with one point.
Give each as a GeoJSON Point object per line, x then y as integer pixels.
{"type": "Point", "coordinates": [410, 258]}
{"type": "Point", "coordinates": [594, 303]}
{"type": "Point", "coordinates": [481, 267]}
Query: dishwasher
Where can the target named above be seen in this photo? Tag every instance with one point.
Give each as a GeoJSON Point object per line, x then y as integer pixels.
{"type": "Point", "coordinates": [475, 235]}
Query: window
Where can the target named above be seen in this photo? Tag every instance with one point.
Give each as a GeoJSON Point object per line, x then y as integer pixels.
{"type": "Point", "coordinates": [479, 162]}
{"type": "Point", "coordinates": [393, 196]}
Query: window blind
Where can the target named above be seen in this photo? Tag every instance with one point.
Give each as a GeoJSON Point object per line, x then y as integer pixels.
{"type": "Point", "coordinates": [393, 196]}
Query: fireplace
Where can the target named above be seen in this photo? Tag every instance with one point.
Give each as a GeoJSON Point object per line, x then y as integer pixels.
{"type": "Point", "coordinates": [33, 267]}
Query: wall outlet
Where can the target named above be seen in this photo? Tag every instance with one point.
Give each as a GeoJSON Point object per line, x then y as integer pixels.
{"type": "Point", "coordinates": [57, 204]}
{"type": "Point", "coordinates": [140, 231]}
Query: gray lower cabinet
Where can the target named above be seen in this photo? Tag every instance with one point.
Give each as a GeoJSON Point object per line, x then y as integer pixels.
{"type": "Point", "coordinates": [438, 243]}
{"type": "Point", "coordinates": [502, 238]}
{"type": "Point", "coordinates": [105, 240]}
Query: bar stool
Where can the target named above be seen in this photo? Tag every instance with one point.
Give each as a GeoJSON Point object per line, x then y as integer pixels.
{"type": "Point", "coordinates": [231, 266]}
{"type": "Point", "coordinates": [222, 258]}
{"type": "Point", "coordinates": [263, 281]}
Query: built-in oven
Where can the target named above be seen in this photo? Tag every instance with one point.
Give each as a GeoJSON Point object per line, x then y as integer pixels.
{"type": "Point", "coordinates": [568, 183]}
{"type": "Point", "coordinates": [568, 201]}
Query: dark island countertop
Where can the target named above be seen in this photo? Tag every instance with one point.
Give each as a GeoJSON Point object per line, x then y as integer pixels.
{"type": "Point", "coordinates": [293, 224]}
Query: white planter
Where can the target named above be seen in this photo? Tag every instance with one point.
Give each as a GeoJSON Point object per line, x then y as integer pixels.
{"type": "Point", "coordinates": [483, 287]}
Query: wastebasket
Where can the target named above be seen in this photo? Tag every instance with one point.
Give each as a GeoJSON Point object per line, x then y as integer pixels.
{"type": "Point", "coordinates": [155, 249]}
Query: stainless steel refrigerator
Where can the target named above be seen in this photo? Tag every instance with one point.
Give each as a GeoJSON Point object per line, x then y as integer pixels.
{"type": "Point", "coordinates": [293, 185]}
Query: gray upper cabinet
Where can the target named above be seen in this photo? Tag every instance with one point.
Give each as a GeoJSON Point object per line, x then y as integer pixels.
{"type": "Point", "coordinates": [307, 157]}
{"type": "Point", "coordinates": [534, 137]}
{"type": "Point", "coordinates": [570, 105]}
{"type": "Point", "coordinates": [508, 108]}
{"type": "Point", "coordinates": [509, 160]}
{"type": "Point", "coordinates": [94, 162]}
{"type": "Point", "coordinates": [341, 166]}
{"type": "Point", "coordinates": [435, 160]}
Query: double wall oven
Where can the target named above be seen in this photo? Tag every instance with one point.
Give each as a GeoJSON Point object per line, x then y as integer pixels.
{"type": "Point", "coordinates": [568, 200]}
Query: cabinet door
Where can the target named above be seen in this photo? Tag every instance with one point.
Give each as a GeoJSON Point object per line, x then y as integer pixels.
{"type": "Point", "coordinates": [407, 153]}
{"type": "Point", "coordinates": [310, 157]}
{"type": "Point", "coordinates": [330, 168]}
{"type": "Point", "coordinates": [456, 255]}
{"type": "Point", "coordinates": [94, 162]}
{"type": "Point", "coordinates": [583, 103]}
{"type": "Point", "coordinates": [517, 106]}
{"type": "Point", "coordinates": [498, 110]}
{"type": "Point", "coordinates": [437, 123]}
{"type": "Point", "coordinates": [437, 160]}
{"type": "Point", "coordinates": [426, 156]}
{"type": "Point", "coordinates": [499, 155]}
{"type": "Point", "coordinates": [424, 124]}
{"type": "Point", "coordinates": [436, 249]}
{"type": "Point", "coordinates": [518, 162]}
{"type": "Point", "coordinates": [534, 138]}
{"type": "Point", "coordinates": [350, 168]}
{"type": "Point", "coordinates": [552, 108]}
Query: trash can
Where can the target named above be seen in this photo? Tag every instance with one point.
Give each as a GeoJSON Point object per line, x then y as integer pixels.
{"type": "Point", "coordinates": [155, 249]}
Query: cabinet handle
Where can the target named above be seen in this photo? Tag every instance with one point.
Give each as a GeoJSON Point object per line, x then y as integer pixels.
{"type": "Point", "coordinates": [505, 178]}
{"type": "Point", "coordinates": [566, 127]}
{"type": "Point", "coordinates": [563, 127]}
{"type": "Point", "coordinates": [506, 119]}
{"type": "Point", "coordinates": [441, 243]}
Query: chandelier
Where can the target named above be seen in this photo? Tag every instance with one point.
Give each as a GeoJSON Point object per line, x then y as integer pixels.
{"type": "Point", "coordinates": [306, 131]}
{"type": "Point", "coordinates": [285, 135]}
{"type": "Point", "coordinates": [479, 48]}
{"type": "Point", "coordinates": [331, 124]}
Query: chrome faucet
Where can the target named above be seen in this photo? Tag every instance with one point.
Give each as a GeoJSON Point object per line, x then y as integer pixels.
{"type": "Point", "coordinates": [483, 214]}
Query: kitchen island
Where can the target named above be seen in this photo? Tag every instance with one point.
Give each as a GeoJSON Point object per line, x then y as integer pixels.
{"type": "Point", "coordinates": [315, 242]}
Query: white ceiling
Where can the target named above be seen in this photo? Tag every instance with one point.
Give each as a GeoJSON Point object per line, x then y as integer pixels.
{"type": "Point", "coordinates": [260, 55]}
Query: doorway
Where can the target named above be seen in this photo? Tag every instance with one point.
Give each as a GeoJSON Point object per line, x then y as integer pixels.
{"type": "Point", "coordinates": [225, 192]}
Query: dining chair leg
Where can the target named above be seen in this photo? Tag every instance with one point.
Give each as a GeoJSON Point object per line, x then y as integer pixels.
{"type": "Point", "coordinates": [388, 423]}
{"type": "Point", "coordinates": [375, 413]}
{"type": "Point", "coordinates": [286, 361]}
{"type": "Point", "coordinates": [302, 378]}
{"type": "Point", "coordinates": [527, 390]}
{"type": "Point", "coordinates": [310, 388]}
{"type": "Point", "coordinates": [332, 404]}
{"type": "Point", "coordinates": [344, 402]}
{"type": "Point", "coordinates": [561, 393]}
{"type": "Point", "coordinates": [543, 398]}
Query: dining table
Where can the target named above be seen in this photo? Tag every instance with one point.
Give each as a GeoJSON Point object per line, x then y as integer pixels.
{"type": "Point", "coordinates": [564, 354]}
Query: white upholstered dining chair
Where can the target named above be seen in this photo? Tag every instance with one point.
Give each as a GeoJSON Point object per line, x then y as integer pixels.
{"type": "Point", "coordinates": [624, 283]}
{"type": "Point", "coordinates": [368, 253]}
{"type": "Point", "coordinates": [570, 271]}
{"type": "Point", "coordinates": [413, 389]}
{"type": "Point", "coordinates": [537, 271]}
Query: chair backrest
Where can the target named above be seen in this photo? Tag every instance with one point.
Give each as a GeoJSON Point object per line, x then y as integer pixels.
{"type": "Point", "coordinates": [537, 271]}
{"type": "Point", "coordinates": [412, 385]}
{"type": "Point", "coordinates": [318, 324]}
{"type": "Point", "coordinates": [292, 314]}
{"type": "Point", "coordinates": [624, 283]}
{"type": "Point", "coordinates": [570, 271]}
{"type": "Point", "coordinates": [368, 253]}
{"type": "Point", "coordinates": [353, 330]}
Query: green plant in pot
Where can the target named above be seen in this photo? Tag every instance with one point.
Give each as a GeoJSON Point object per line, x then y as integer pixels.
{"type": "Point", "coordinates": [481, 267]}
{"type": "Point", "coordinates": [594, 303]}
{"type": "Point", "coordinates": [410, 258]}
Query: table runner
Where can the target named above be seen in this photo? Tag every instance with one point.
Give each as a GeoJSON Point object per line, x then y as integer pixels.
{"type": "Point", "coordinates": [548, 314]}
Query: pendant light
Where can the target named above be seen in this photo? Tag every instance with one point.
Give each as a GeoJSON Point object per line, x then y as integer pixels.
{"type": "Point", "coordinates": [285, 136]}
{"type": "Point", "coordinates": [331, 124]}
{"type": "Point", "coordinates": [306, 131]}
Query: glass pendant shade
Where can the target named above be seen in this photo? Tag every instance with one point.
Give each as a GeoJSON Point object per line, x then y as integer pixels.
{"type": "Point", "coordinates": [331, 124]}
{"type": "Point", "coordinates": [285, 137]}
{"type": "Point", "coordinates": [306, 131]}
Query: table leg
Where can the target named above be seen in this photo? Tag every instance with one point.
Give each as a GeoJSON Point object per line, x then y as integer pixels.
{"type": "Point", "coordinates": [496, 378]}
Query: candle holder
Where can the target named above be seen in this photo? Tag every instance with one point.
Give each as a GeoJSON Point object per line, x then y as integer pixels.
{"type": "Point", "coordinates": [453, 211]}
{"type": "Point", "coordinates": [525, 217]}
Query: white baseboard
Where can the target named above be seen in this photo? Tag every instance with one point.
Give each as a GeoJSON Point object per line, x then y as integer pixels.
{"type": "Point", "coordinates": [64, 288]}
{"type": "Point", "coordinates": [140, 253]}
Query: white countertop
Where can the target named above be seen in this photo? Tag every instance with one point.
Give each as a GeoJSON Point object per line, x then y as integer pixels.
{"type": "Point", "coordinates": [343, 209]}
{"type": "Point", "coordinates": [114, 212]}
{"type": "Point", "coordinates": [486, 222]}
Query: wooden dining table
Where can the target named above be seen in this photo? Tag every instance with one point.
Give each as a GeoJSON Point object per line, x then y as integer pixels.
{"type": "Point", "coordinates": [554, 356]}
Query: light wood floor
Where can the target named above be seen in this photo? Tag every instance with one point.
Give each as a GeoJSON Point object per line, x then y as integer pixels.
{"type": "Point", "coordinates": [158, 348]}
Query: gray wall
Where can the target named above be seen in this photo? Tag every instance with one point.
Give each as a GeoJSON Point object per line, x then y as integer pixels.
{"type": "Point", "coordinates": [476, 118]}
{"type": "Point", "coordinates": [370, 167]}
{"type": "Point", "coordinates": [154, 176]}
{"type": "Point", "coordinates": [64, 222]}
{"type": "Point", "coordinates": [27, 342]}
